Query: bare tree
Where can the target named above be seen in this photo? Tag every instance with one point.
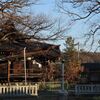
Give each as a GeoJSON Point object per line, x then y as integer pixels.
{"type": "Point", "coordinates": [85, 10]}
{"type": "Point", "coordinates": [14, 23]}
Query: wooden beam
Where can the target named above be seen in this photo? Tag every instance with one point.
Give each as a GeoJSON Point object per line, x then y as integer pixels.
{"type": "Point", "coordinates": [9, 63]}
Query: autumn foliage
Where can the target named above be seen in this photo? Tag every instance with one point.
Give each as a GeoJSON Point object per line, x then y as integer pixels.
{"type": "Point", "coordinates": [72, 63]}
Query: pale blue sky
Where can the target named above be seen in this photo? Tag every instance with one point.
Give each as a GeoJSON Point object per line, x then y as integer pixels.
{"type": "Point", "coordinates": [49, 8]}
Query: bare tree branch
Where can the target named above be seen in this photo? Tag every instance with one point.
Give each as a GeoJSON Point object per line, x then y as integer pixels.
{"type": "Point", "coordinates": [33, 26]}
{"type": "Point", "coordinates": [87, 10]}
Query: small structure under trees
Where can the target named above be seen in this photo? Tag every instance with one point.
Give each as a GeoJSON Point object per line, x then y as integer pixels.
{"type": "Point", "coordinates": [89, 81]}
{"type": "Point", "coordinates": [90, 68]}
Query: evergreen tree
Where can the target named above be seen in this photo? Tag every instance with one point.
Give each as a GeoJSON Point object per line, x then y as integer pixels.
{"type": "Point", "coordinates": [72, 64]}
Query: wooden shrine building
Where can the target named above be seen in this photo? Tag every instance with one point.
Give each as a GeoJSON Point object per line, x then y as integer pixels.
{"type": "Point", "coordinates": [14, 56]}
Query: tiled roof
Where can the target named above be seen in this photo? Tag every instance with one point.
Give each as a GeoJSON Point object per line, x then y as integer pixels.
{"type": "Point", "coordinates": [32, 48]}
{"type": "Point", "coordinates": [90, 57]}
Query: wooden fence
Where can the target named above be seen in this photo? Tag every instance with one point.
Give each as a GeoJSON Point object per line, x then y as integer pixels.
{"type": "Point", "coordinates": [18, 90]}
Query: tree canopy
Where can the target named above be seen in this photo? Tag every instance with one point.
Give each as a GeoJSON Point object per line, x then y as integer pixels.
{"type": "Point", "coordinates": [15, 21]}
{"type": "Point", "coordinates": [72, 65]}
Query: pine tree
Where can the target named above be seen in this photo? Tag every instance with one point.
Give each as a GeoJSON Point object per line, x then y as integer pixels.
{"type": "Point", "coordinates": [72, 64]}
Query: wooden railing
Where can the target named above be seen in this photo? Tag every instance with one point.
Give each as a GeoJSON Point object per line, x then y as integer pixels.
{"type": "Point", "coordinates": [18, 90]}
{"type": "Point", "coordinates": [87, 89]}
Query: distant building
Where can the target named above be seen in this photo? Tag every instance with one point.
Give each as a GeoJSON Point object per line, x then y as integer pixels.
{"type": "Point", "coordinates": [90, 68]}
{"type": "Point", "coordinates": [89, 81]}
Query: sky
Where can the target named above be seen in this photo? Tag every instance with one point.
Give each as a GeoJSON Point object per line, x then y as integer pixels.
{"type": "Point", "coordinates": [77, 30]}
{"type": "Point", "coordinates": [48, 8]}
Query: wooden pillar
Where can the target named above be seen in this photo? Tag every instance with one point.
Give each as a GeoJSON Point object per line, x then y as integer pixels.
{"type": "Point", "coordinates": [50, 73]}
{"type": "Point", "coordinates": [9, 71]}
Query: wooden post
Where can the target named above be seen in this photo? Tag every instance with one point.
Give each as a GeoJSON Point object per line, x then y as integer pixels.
{"type": "Point", "coordinates": [25, 64]}
{"type": "Point", "coordinates": [9, 71]}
